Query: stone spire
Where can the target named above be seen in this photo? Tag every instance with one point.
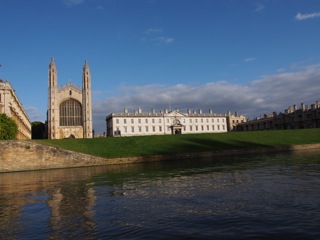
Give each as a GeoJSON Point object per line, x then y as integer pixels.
{"type": "Point", "coordinates": [86, 101]}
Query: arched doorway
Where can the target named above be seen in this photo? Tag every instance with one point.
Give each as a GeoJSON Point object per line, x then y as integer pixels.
{"type": "Point", "coordinates": [176, 127]}
{"type": "Point", "coordinates": [72, 136]}
{"type": "Point", "coordinates": [177, 131]}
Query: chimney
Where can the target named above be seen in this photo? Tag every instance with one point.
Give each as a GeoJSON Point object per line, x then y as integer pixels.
{"type": "Point", "coordinates": [294, 107]}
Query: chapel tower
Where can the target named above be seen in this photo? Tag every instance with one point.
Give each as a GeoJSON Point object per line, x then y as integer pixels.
{"type": "Point", "coordinates": [69, 107]}
{"type": "Point", "coordinates": [86, 102]}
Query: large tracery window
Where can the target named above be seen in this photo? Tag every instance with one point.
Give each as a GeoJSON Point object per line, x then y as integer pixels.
{"type": "Point", "coordinates": [70, 113]}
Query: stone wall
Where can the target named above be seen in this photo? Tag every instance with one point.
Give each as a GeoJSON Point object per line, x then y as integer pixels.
{"type": "Point", "coordinates": [26, 155]}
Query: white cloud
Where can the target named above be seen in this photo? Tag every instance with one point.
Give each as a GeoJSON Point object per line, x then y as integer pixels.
{"type": "Point", "coordinates": [34, 114]}
{"type": "Point", "coordinates": [100, 8]}
{"type": "Point", "coordinates": [164, 40]}
{"type": "Point", "coordinates": [156, 35]}
{"type": "Point", "coordinates": [72, 2]}
{"type": "Point", "coordinates": [301, 16]}
{"type": "Point", "coordinates": [259, 7]}
{"type": "Point", "coordinates": [153, 31]}
{"type": "Point", "coordinates": [265, 95]}
{"type": "Point", "coordinates": [249, 59]}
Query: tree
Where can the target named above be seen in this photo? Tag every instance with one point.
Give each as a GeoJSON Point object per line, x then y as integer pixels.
{"type": "Point", "coordinates": [38, 129]}
{"type": "Point", "coordinates": [8, 128]}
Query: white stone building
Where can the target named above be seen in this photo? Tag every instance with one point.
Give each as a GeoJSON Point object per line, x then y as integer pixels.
{"type": "Point", "coordinates": [69, 107]}
{"type": "Point", "coordinates": [164, 123]}
{"type": "Point", "coordinates": [12, 107]}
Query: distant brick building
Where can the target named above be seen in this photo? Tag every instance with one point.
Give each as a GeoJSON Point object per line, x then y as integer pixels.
{"type": "Point", "coordinates": [292, 118]}
{"type": "Point", "coordinates": [12, 107]}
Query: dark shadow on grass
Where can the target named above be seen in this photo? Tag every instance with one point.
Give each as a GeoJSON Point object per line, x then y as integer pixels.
{"type": "Point", "coordinates": [197, 145]}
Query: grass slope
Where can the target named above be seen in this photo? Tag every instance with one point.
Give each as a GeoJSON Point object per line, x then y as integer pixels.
{"type": "Point", "coordinates": [170, 144]}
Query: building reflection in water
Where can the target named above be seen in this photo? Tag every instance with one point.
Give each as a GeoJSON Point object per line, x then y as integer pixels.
{"type": "Point", "coordinates": [57, 192]}
{"type": "Point", "coordinates": [72, 211]}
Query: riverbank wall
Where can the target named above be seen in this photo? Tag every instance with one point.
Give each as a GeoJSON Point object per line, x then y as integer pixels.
{"type": "Point", "coordinates": [27, 156]}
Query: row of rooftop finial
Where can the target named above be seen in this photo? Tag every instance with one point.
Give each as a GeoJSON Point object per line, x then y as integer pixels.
{"type": "Point", "coordinates": [303, 107]}
{"type": "Point", "coordinates": [292, 109]}
{"type": "Point", "coordinates": [153, 111]}
{"type": "Point", "coordinates": [69, 85]}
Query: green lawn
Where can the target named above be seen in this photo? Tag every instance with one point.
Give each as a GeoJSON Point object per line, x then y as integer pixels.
{"type": "Point", "coordinates": [170, 144]}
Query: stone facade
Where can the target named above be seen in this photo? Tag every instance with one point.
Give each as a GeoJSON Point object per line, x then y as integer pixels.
{"type": "Point", "coordinates": [12, 107]}
{"type": "Point", "coordinates": [292, 118]}
{"type": "Point", "coordinates": [234, 119]}
{"type": "Point", "coordinates": [166, 122]}
{"type": "Point", "coordinates": [27, 155]}
{"type": "Point", "coordinates": [69, 107]}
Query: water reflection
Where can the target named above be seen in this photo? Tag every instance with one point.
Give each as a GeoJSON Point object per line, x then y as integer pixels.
{"type": "Point", "coordinates": [238, 197]}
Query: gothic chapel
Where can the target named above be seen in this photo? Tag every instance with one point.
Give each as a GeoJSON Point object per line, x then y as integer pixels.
{"type": "Point", "coordinates": [69, 107]}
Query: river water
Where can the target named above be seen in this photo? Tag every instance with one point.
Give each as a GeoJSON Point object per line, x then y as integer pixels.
{"type": "Point", "coordinates": [245, 197]}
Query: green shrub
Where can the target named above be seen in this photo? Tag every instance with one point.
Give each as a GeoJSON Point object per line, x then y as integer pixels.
{"type": "Point", "coordinates": [8, 128]}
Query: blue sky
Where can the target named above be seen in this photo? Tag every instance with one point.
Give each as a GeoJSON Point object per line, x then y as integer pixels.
{"type": "Point", "coordinates": [248, 56]}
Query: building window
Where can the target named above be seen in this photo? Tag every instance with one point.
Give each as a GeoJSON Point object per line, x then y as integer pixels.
{"type": "Point", "coordinates": [218, 127]}
{"type": "Point", "coordinates": [208, 128]}
{"type": "Point", "coordinates": [160, 129]}
{"type": "Point", "coordinates": [201, 120]}
{"type": "Point", "coordinates": [153, 121]}
{"type": "Point", "coordinates": [125, 121]}
{"type": "Point", "coordinates": [190, 128]}
{"type": "Point", "coordinates": [159, 120]}
{"type": "Point", "coordinates": [218, 120]}
{"type": "Point", "coordinates": [132, 129]}
{"type": "Point", "coordinates": [132, 120]}
{"type": "Point", "coordinates": [153, 129]}
{"type": "Point", "coordinates": [139, 129]}
{"type": "Point", "coordinates": [70, 113]}
{"type": "Point", "coordinates": [202, 128]}
{"type": "Point", "coordinates": [125, 129]}
{"type": "Point", "coordinates": [213, 127]}
{"type": "Point", "coordinates": [207, 120]}
{"type": "Point", "coordinates": [196, 120]}
{"type": "Point", "coordinates": [147, 129]}
{"type": "Point", "coordinates": [117, 121]}
{"type": "Point", "coordinates": [146, 120]}
{"type": "Point", "coordinates": [190, 120]}
{"type": "Point", "coordinates": [139, 120]}
{"type": "Point", "coordinates": [212, 120]}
